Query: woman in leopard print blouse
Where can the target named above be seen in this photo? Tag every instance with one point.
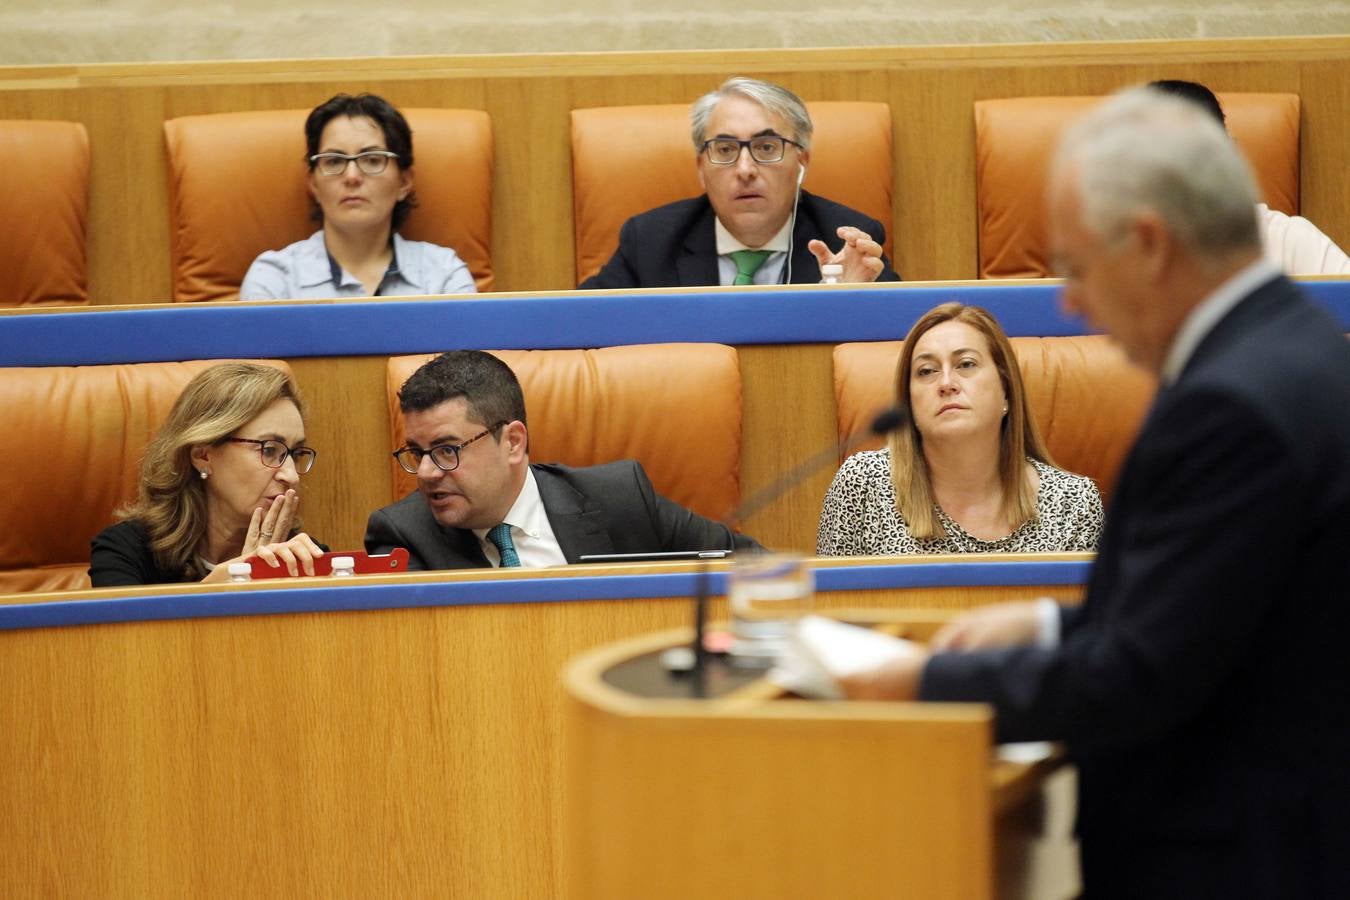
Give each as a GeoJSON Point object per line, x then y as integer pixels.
{"type": "Point", "coordinates": [969, 472]}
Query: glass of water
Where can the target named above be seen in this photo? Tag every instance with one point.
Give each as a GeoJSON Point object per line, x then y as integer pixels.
{"type": "Point", "coordinates": [767, 594]}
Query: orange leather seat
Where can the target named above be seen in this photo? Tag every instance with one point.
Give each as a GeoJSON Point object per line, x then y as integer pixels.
{"type": "Point", "coordinates": [45, 183]}
{"type": "Point", "coordinates": [629, 159]}
{"type": "Point", "coordinates": [237, 188]}
{"type": "Point", "coordinates": [1088, 400]}
{"type": "Point", "coordinates": [676, 408]}
{"type": "Point", "coordinates": [1015, 140]}
{"type": "Point", "coordinates": [76, 434]}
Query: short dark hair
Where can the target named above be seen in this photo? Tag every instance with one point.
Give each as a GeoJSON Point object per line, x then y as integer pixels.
{"type": "Point", "coordinates": [1193, 91]}
{"type": "Point", "coordinates": [488, 386]}
{"type": "Point", "coordinates": [397, 137]}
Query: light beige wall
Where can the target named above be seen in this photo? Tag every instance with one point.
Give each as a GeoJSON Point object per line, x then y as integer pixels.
{"type": "Point", "coordinates": [80, 31]}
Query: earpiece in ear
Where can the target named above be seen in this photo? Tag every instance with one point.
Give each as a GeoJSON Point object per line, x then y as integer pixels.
{"type": "Point", "coordinates": [801, 174]}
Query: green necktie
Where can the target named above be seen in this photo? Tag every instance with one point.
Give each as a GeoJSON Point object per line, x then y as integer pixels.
{"type": "Point", "coordinates": [748, 263]}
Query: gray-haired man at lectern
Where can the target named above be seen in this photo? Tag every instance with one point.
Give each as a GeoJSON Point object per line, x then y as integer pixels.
{"type": "Point", "coordinates": [1203, 684]}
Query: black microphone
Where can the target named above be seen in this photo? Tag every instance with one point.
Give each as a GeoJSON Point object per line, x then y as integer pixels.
{"type": "Point", "coordinates": [882, 423]}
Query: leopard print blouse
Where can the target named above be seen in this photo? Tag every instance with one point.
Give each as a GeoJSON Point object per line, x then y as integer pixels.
{"type": "Point", "coordinates": [860, 517]}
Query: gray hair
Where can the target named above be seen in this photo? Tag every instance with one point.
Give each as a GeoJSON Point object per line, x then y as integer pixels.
{"type": "Point", "coordinates": [777, 100]}
{"type": "Point", "coordinates": [1141, 150]}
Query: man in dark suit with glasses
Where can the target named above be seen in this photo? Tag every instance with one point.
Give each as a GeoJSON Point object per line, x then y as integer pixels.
{"type": "Point", "coordinates": [753, 224]}
{"type": "Point", "coordinates": [480, 502]}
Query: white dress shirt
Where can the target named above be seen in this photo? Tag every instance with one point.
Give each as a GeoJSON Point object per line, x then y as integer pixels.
{"type": "Point", "coordinates": [1298, 246]}
{"type": "Point", "coordinates": [536, 545]}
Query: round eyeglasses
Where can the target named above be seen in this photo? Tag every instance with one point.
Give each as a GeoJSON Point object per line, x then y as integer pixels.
{"type": "Point", "coordinates": [370, 162]}
{"type": "Point", "coordinates": [764, 148]}
{"type": "Point", "coordinates": [445, 456]}
{"type": "Point", "coordinates": [274, 454]}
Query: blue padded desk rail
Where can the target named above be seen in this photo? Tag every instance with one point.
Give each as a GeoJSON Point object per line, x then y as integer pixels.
{"type": "Point", "coordinates": [506, 322]}
{"type": "Point", "coordinates": [677, 586]}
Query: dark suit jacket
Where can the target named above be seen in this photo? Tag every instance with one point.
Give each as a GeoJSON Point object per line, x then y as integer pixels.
{"type": "Point", "coordinates": [611, 508]}
{"type": "Point", "coordinates": [1204, 685]}
{"type": "Point", "coordinates": [675, 245]}
{"type": "Point", "coordinates": [120, 555]}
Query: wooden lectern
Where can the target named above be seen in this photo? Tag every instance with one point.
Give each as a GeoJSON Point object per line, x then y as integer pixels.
{"type": "Point", "coordinates": [750, 794]}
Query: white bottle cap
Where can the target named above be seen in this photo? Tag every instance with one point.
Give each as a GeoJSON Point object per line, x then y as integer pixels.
{"type": "Point", "coordinates": [240, 569]}
{"type": "Point", "coordinates": [344, 562]}
{"type": "Point", "coordinates": [831, 271]}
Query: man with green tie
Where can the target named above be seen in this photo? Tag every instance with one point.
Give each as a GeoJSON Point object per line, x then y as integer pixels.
{"type": "Point", "coordinates": [753, 224]}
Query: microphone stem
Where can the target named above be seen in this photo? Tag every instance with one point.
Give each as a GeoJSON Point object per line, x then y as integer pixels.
{"type": "Point", "coordinates": [795, 476]}
{"type": "Point", "coordinates": [699, 685]}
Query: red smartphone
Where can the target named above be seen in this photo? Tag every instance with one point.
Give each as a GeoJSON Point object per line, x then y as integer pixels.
{"type": "Point", "coordinates": [395, 560]}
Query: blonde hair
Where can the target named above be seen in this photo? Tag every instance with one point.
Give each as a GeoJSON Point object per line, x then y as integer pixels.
{"type": "Point", "coordinates": [171, 504]}
{"type": "Point", "coordinates": [1018, 435]}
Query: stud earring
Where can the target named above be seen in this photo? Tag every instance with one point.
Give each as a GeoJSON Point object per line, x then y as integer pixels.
{"type": "Point", "coordinates": [1005, 412]}
{"type": "Point", "coordinates": [203, 474]}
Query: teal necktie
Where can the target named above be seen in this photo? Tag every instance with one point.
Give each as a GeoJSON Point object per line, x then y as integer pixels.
{"type": "Point", "coordinates": [501, 539]}
{"type": "Point", "coordinates": [748, 263]}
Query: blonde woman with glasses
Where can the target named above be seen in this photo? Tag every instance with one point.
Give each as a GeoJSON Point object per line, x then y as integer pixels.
{"type": "Point", "coordinates": [219, 484]}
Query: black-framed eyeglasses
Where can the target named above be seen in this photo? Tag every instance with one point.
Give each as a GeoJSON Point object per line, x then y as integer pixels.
{"type": "Point", "coordinates": [445, 456]}
{"type": "Point", "coordinates": [274, 454]}
{"type": "Point", "coordinates": [764, 148]}
{"type": "Point", "coordinates": [370, 162]}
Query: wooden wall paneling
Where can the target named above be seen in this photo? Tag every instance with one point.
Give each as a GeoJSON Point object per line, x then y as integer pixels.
{"type": "Point", "coordinates": [128, 203]}
{"type": "Point", "coordinates": [934, 137]}
{"type": "Point", "coordinates": [348, 424]}
{"type": "Point", "coordinates": [788, 416]}
{"type": "Point", "coordinates": [532, 197]}
{"type": "Point", "coordinates": [1324, 156]}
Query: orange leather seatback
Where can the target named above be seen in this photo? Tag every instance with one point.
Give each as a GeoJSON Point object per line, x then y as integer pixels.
{"type": "Point", "coordinates": [73, 438]}
{"type": "Point", "coordinates": [1088, 400]}
{"type": "Point", "coordinates": [237, 188]}
{"type": "Point", "coordinates": [676, 408]}
{"type": "Point", "coordinates": [45, 185]}
{"type": "Point", "coordinates": [1016, 138]}
{"type": "Point", "coordinates": [629, 159]}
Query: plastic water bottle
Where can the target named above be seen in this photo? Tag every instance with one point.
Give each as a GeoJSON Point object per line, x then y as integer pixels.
{"type": "Point", "coordinates": [344, 567]}
{"type": "Point", "coordinates": [240, 572]}
{"type": "Point", "coordinates": [830, 273]}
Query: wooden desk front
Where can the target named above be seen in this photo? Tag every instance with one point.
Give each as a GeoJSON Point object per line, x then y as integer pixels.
{"type": "Point", "coordinates": [392, 737]}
